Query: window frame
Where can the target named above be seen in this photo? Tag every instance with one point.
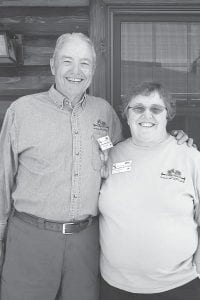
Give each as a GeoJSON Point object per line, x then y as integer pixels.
{"type": "Point", "coordinates": [143, 13]}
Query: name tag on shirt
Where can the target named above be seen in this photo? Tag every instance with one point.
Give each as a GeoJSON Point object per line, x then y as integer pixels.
{"type": "Point", "coordinates": [121, 167]}
{"type": "Point", "coordinates": [105, 142]}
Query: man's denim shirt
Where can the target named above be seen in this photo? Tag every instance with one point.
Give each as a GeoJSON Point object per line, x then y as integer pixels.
{"type": "Point", "coordinates": [49, 155]}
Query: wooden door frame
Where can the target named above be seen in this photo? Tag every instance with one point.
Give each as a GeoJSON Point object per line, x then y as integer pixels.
{"type": "Point", "coordinates": [102, 16]}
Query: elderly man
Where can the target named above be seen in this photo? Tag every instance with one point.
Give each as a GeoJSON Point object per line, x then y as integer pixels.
{"type": "Point", "coordinates": [50, 173]}
{"type": "Point", "coordinates": [50, 179]}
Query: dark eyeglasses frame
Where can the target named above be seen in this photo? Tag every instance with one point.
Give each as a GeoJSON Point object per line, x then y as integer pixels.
{"type": "Point", "coordinates": [155, 109]}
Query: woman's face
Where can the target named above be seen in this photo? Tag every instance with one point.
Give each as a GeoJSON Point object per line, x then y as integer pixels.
{"type": "Point", "coordinates": [147, 119]}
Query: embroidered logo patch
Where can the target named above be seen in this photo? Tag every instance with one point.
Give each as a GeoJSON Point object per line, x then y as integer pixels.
{"type": "Point", "coordinates": [173, 174]}
{"type": "Point", "coordinates": [101, 125]}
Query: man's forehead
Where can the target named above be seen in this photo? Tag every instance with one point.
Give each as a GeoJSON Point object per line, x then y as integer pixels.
{"type": "Point", "coordinates": [71, 41]}
{"type": "Point", "coordinates": [75, 47]}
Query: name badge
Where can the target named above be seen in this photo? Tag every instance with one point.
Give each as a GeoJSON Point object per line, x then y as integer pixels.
{"type": "Point", "coordinates": [105, 142]}
{"type": "Point", "coordinates": [120, 167]}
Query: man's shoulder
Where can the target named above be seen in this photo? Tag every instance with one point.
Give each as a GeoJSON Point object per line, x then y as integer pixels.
{"type": "Point", "coordinates": [93, 101]}
{"type": "Point", "coordinates": [27, 100]}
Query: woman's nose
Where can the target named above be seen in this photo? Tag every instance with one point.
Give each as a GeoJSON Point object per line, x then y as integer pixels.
{"type": "Point", "coordinates": [147, 113]}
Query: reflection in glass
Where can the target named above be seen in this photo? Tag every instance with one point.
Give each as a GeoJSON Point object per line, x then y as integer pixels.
{"type": "Point", "coordinates": [168, 52]}
{"type": "Point", "coordinates": [171, 43]}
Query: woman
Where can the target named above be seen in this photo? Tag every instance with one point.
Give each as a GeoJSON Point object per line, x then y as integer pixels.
{"type": "Point", "coordinates": [149, 207]}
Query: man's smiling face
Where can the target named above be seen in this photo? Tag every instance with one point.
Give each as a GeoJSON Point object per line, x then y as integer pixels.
{"type": "Point", "coordinates": [73, 68]}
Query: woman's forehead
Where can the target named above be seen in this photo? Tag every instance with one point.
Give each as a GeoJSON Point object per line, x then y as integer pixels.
{"type": "Point", "coordinates": [152, 98]}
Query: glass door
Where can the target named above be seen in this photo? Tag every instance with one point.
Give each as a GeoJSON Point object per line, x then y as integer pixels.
{"type": "Point", "coordinates": [164, 49]}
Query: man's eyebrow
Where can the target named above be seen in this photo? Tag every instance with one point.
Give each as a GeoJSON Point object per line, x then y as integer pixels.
{"type": "Point", "coordinates": [70, 57]}
{"type": "Point", "coordinates": [87, 59]}
{"type": "Point", "coordinates": [66, 57]}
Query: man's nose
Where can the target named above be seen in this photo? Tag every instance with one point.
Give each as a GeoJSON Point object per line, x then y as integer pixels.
{"type": "Point", "coordinates": [76, 68]}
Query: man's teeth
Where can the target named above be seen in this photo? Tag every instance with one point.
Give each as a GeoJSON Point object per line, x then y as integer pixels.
{"type": "Point", "coordinates": [75, 79]}
{"type": "Point", "coordinates": [146, 124]}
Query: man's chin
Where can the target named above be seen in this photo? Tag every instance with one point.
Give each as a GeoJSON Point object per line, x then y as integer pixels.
{"type": "Point", "coordinates": [75, 97]}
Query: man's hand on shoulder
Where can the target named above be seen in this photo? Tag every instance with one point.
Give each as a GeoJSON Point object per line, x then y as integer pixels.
{"type": "Point", "coordinates": [182, 137]}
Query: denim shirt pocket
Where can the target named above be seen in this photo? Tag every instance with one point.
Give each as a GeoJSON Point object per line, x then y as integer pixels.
{"type": "Point", "coordinates": [96, 161]}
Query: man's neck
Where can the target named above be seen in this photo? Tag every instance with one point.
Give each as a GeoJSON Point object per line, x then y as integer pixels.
{"type": "Point", "coordinates": [72, 100]}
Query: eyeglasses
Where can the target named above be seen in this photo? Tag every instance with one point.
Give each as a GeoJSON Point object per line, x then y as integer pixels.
{"type": "Point", "coordinates": [155, 109]}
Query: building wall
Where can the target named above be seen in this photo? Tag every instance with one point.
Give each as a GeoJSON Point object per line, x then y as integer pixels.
{"type": "Point", "coordinates": [38, 25]}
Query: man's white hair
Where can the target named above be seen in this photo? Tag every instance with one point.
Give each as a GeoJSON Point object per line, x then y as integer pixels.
{"type": "Point", "coordinates": [77, 35]}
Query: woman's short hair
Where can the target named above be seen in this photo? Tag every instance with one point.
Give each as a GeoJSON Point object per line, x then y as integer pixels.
{"type": "Point", "coordinates": [67, 36]}
{"type": "Point", "coordinates": [146, 89]}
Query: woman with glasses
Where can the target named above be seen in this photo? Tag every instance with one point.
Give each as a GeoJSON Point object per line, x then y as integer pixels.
{"type": "Point", "coordinates": [149, 207]}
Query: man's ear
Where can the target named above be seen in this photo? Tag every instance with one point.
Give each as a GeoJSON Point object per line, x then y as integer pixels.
{"type": "Point", "coordinates": [52, 66]}
{"type": "Point", "coordinates": [127, 119]}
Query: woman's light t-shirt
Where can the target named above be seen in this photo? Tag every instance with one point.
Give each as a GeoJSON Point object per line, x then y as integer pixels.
{"type": "Point", "coordinates": [148, 226]}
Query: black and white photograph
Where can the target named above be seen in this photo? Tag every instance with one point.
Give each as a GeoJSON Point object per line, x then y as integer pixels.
{"type": "Point", "coordinates": [99, 150]}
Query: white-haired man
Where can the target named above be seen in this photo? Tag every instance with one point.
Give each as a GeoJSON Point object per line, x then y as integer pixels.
{"type": "Point", "coordinates": [50, 175]}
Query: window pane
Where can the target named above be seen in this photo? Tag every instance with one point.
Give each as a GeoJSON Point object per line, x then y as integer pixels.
{"type": "Point", "coordinates": [171, 43]}
{"type": "Point", "coordinates": [194, 60]}
{"type": "Point", "coordinates": [136, 54]}
{"type": "Point", "coordinates": [133, 73]}
{"type": "Point", "coordinates": [136, 42]}
{"type": "Point", "coordinates": [194, 125]}
{"type": "Point", "coordinates": [179, 122]}
{"type": "Point", "coordinates": [194, 42]}
{"type": "Point", "coordinates": [174, 79]}
{"type": "Point", "coordinates": [193, 86]}
{"type": "Point", "coordinates": [167, 52]}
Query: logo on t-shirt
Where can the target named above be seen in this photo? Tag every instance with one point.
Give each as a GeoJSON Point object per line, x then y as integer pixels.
{"type": "Point", "coordinates": [173, 174]}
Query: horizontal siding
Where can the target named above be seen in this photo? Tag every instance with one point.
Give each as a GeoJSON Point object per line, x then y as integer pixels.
{"type": "Point", "coordinates": [48, 21]}
{"type": "Point", "coordinates": [150, 2]}
{"type": "Point", "coordinates": [47, 3]}
{"type": "Point", "coordinates": [39, 27]}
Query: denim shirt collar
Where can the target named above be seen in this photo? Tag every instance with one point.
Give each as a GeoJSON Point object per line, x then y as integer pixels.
{"type": "Point", "coordinates": [60, 100]}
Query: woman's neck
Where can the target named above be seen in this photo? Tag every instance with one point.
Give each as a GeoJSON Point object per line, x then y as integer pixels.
{"type": "Point", "coordinates": [149, 143]}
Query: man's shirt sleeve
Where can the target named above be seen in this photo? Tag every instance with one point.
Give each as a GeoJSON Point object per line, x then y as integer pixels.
{"type": "Point", "coordinates": [8, 166]}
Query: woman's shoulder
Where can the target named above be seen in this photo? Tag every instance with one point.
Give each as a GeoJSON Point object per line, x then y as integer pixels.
{"type": "Point", "coordinates": [119, 149]}
{"type": "Point", "coordinates": [185, 150]}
